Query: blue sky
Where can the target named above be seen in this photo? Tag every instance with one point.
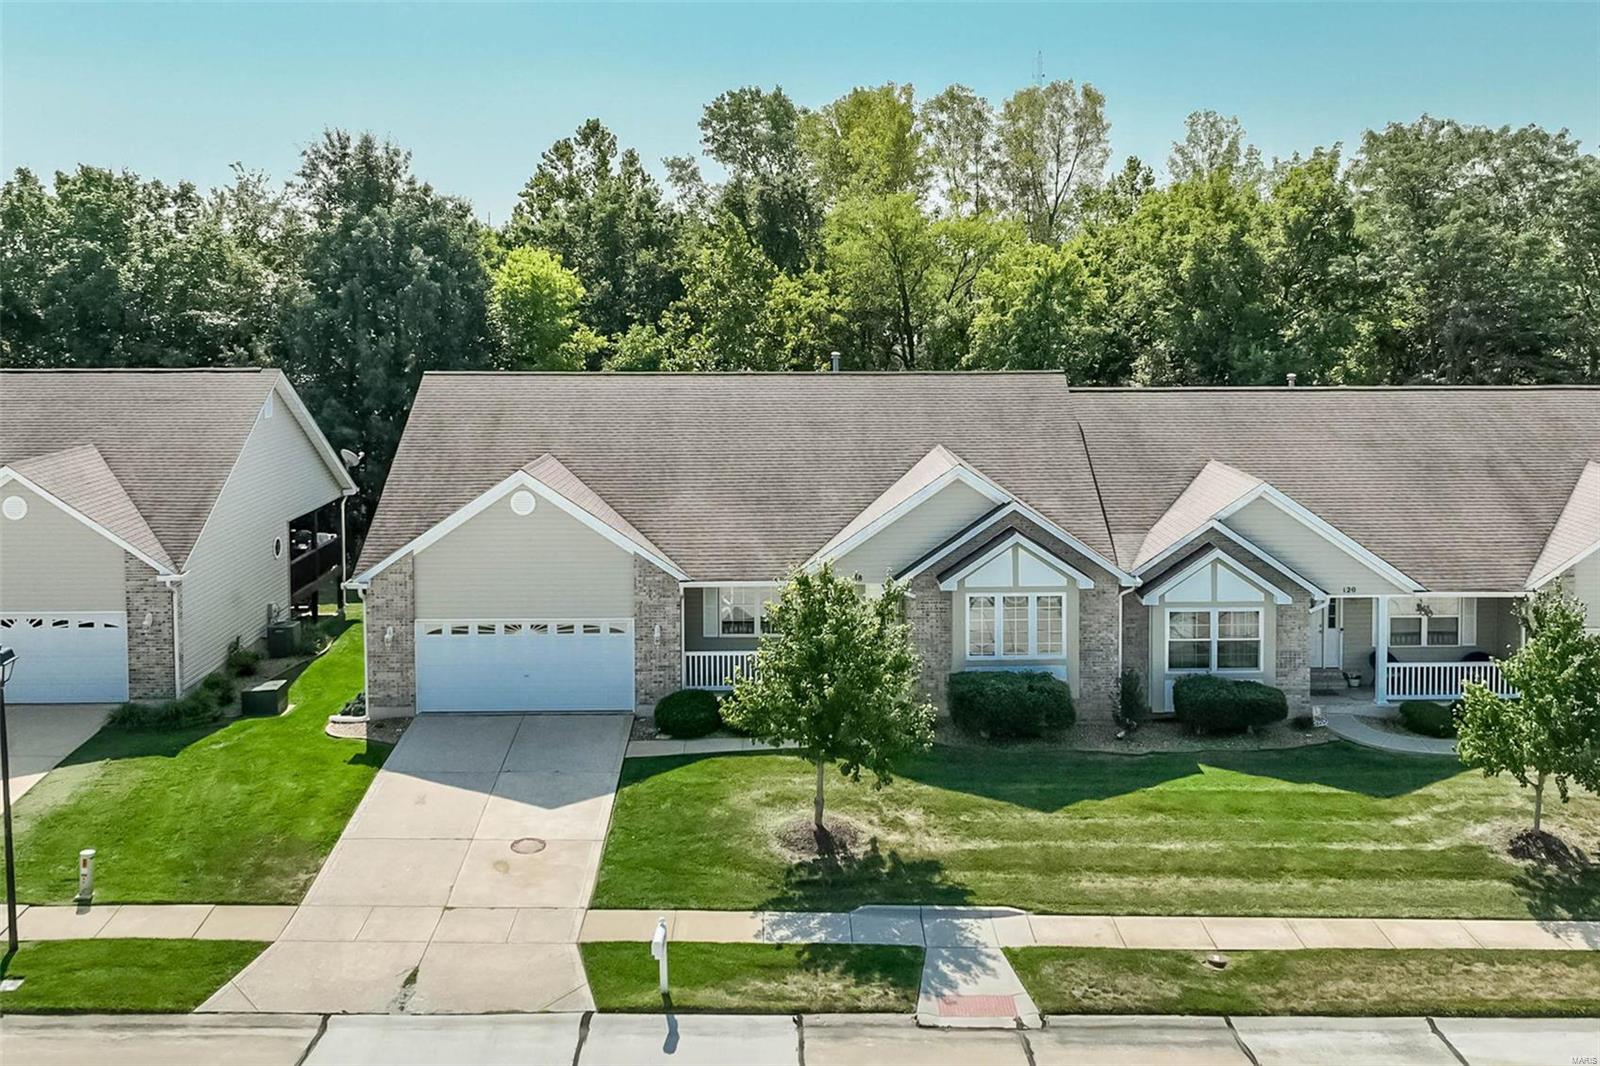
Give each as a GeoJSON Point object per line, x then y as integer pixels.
{"type": "Point", "coordinates": [476, 91]}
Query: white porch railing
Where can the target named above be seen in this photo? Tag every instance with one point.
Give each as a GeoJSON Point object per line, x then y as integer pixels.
{"type": "Point", "coordinates": [1442, 681]}
{"type": "Point", "coordinates": [716, 669]}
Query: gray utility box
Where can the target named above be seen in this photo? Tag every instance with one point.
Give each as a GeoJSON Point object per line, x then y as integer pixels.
{"type": "Point", "coordinates": [267, 698]}
{"type": "Point", "coordinates": [283, 639]}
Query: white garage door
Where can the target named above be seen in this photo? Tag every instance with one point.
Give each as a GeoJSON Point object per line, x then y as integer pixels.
{"type": "Point", "coordinates": [67, 658]}
{"type": "Point", "coordinates": [583, 664]}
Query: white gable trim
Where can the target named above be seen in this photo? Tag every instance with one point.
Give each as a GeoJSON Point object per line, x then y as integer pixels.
{"type": "Point", "coordinates": [1563, 566]}
{"type": "Point", "coordinates": [1215, 555]}
{"type": "Point", "coordinates": [520, 479]}
{"type": "Point", "coordinates": [1016, 539]}
{"type": "Point", "coordinates": [839, 547]}
{"type": "Point", "coordinates": [1317, 524]}
{"type": "Point", "coordinates": [8, 475]}
{"type": "Point", "coordinates": [986, 523]}
{"type": "Point", "coordinates": [1317, 594]}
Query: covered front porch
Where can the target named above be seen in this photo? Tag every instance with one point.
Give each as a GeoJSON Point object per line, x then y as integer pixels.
{"type": "Point", "coordinates": [1388, 649]}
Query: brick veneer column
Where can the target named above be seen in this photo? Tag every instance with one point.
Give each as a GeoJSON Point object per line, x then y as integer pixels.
{"type": "Point", "coordinates": [390, 607]}
{"type": "Point", "coordinates": [928, 612]}
{"type": "Point", "coordinates": [1136, 637]}
{"type": "Point", "coordinates": [657, 635]}
{"type": "Point", "coordinates": [1099, 622]}
{"type": "Point", "coordinates": [1293, 667]}
{"type": "Point", "coordinates": [150, 670]}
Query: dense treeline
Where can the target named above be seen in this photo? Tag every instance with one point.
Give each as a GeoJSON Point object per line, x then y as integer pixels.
{"type": "Point", "coordinates": [942, 233]}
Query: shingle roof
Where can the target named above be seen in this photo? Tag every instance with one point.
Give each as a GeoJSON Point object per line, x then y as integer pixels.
{"type": "Point", "coordinates": [737, 476]}
{"type": "Point", "coordinates": [734, 476]}
{"type": "Point", "coordinates": [1575, 532]}
{"type": "Point", "coordinates": [1457, 487]}
{"type": "Point", "coordinates": [168, 437]}
{"type": "Point", "coordinates": [1216, 486]}
{"type": "Point", "coordinates": [80, 478]}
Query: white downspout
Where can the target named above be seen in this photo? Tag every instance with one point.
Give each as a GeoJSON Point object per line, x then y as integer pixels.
{"type": "Point", "coordinates": [1380, 651]}
{"type": "Point", "coordinates": [171, 581]}
{"type": "Point", "coordinates": [344, 556]}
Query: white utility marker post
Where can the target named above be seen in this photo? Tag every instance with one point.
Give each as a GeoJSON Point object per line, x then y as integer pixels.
{"type": "Point", "coordinates": [85, 875]}
{"type": "Point", "coordinates": [658, 951]}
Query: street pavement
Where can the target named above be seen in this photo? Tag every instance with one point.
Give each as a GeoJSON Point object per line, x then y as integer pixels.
{"type": "Point", "coordinates": [589, 1039]}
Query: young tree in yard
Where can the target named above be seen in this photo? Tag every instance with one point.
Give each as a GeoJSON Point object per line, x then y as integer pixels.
{"type": "Point", "coordinates": [838, 681]}
{"type": "Point", "coordinates": [1552, 732]}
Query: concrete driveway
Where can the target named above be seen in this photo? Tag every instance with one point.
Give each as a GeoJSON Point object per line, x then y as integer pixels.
{"type": "Point", "coordinates": [460, 883]}
{"type": "Point", "coordinates": [42, 734]}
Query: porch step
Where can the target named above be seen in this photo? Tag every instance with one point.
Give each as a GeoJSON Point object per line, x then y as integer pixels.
{"type": "Point", "coordinates": [1327, 680]}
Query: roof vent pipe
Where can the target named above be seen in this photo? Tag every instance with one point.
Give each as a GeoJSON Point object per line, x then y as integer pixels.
{"type": "Point", "coordinates": [835, 357]}
{"type": "Point", "coordinates": [1289, 380]}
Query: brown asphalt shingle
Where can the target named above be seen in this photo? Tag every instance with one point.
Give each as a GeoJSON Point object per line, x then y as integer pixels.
{"type": "Point", "coordinates": [170, 437]}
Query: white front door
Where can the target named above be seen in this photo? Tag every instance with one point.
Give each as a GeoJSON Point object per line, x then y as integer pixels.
{"type": "Point", "coordinates": [65, 657]}
{"type": "Point", "coordinates": [535, 665]}
{"type": "Point", "coordinates": [1325, 636]}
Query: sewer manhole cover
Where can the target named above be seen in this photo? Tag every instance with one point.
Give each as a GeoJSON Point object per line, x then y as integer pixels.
{"type": "Point", "coordinates": [527, 846]}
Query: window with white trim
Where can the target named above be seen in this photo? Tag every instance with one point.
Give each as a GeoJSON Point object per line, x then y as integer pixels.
{"type": "Point", "coordinates": [738, 611]}
{"type": "Point", "coordinates": [1019, 625]}
{"type": "Point", "coordinates": [1429, 623]}
{"type": "Point", "coordinates": [1214, 638]}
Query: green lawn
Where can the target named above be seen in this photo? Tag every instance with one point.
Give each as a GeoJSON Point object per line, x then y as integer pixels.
{"type": "Point", "coordinates": [1495, 983]}
{"type": "Point", "coordinates": [1332, 829]}
{"type": "Point", "coordinates": [241, 812]}
{"type": "Point", "coordinates": [763, 978]}
{"type": "Point", "coordinates": [121, 976]}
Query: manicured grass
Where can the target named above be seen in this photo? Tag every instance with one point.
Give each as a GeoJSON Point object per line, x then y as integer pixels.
{"type": "Point", "coordinates": [1332, 829]}
{"type": "Point", "coordinates": [242, 812]}
{"type": "Point", "coordinates": [760, 978]}
{"type": "Point", "coordinates": [121, 976]}
{"type": "Point", "coordinates": [1335, 982]}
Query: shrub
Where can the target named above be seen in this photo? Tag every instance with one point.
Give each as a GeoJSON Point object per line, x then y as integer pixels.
{"type": "Point", "coordinates": [1429, 719]}
{"type": "Point", "coordinates": [196, 708]}
{"type": "Point", "coordinates": [1008, 704]}
{"type": "Point", "coordinates": [1132, 704]}
{"type": "Point", "coordinates": [688, 713]}
{"type": "Point", "coordinates": [220, 690]}
{"type": "Point", "coordinates": [1206, 703]}
{"type": "Point", "coordinates": [242, 662]}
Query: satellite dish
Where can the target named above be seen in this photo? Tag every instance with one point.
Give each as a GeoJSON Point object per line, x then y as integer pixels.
{"type": "Point", "coordinates": [351, 459]}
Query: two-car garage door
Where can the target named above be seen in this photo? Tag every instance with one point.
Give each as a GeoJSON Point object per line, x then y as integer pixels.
{"type": "Point", "coordinates": [67, 657]}
{"type": "Point", "coordinates": [580, 664]}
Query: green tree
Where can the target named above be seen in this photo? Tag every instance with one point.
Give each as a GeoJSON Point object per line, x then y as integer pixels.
{"type": "Point", "coordinates": [959, 127]}
{"type": "Point", "coordinates": [1052, 148]}
{"type": "Point", "coordinates": [1211, 144]}
{"type": "Point", "coordinates": [867, 142]}
{"type": "Point", "coordinates": [1040, 308]}
{"type": "Point", "coordinates": [1552, 730]}
{"type": "Point", "coordinates": [535, 303]}
{"type": "Point", "coordinates": [392, 284]}
{"type": "Point", "coordinates": [605, 217]}
{"type": "Point", "coordinates": [1472, 231]}
{"type": "Point", "coordinates": [838, 681]}
{"type": "Point", "coordinates": [754, 135]}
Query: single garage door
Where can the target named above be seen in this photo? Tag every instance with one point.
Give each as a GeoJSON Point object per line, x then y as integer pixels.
{"type": "Point", "coordinates": [67, 658]}
{"type": "Point", "coordinates": [583, 664]}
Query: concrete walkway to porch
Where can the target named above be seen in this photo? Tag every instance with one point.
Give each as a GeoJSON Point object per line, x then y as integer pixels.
{"type": "Point", "coordinates": [1347, 717]}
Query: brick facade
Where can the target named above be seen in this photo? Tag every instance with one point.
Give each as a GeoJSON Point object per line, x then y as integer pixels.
{"type": "Point", "coordinates": [390, 613]}
{"type": "Point", "coordinates": [151, 672]}
{"type": "Point", "coordinates": [928, 609]}
{"type": "Point", "coordinates": [657, 635]}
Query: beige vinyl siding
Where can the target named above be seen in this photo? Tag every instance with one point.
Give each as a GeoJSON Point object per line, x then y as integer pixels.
{"type": "Point", "coordinates": [1306, 551]}
{"type": "Point", "coordinates": [920, 530]}
{"type": "Point", "coordinates": [50, 561]}
{"type": "Point", "coordinates": [1071, 639]}
{"type": "Point", "coordinates": [1586, 586]}
{"type": "Point", "coordinates": [232, 580]}
{"type": "Point", "coordinates": [499, 564]}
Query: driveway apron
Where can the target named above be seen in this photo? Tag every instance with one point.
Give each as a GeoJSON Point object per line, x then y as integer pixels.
{"type": "Point", "coordinates": [461, 881]}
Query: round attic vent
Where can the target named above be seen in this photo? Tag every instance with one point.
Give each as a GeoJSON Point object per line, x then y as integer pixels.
{"type": "Point", "coordinates": [15, 508]}
{"type": "Point", "coordinates": [522, 502]}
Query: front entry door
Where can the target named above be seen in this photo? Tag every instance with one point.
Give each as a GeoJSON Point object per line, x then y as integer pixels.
{"type": "Point", "coordinates": [1326, 636]}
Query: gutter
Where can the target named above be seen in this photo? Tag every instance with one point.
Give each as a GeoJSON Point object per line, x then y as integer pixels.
{"type": "Point", "coordinates": [172, 581]}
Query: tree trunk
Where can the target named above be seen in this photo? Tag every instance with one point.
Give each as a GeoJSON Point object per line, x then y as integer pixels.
{"type": "Point", "coordinates": [1538, 802]}
{"type": "Point", "coordinates": [817, 807]}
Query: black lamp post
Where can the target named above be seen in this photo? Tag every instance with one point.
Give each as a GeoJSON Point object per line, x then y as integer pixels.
{"type": "Point", "coordinates": [8, 659]}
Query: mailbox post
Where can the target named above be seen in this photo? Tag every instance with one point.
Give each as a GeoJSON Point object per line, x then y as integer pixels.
{"type": "Point", "coordinates": [658, 951]}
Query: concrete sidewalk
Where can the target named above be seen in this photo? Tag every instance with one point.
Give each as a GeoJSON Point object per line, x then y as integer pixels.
{"type": "Point", "coordinates": [777, 1040]}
